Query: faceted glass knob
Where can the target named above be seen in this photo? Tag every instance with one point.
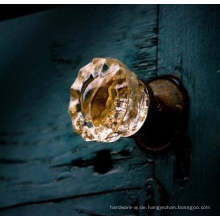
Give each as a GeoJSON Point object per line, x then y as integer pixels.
{"type": "Point", "coordinates": [107, 101]}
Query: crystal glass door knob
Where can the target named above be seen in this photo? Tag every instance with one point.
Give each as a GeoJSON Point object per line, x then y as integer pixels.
{"type": "Point", "coordinates": [107, 101]}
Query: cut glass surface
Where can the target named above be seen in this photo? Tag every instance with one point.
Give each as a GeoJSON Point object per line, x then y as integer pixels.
{"type": "Point", "coordinates": [107, 101]}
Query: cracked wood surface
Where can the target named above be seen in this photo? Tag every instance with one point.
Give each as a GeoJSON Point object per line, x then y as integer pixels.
{"type": "Point", "coordinates": [44, 165]}
{"type": "Point", "coordinates": [46, 169]}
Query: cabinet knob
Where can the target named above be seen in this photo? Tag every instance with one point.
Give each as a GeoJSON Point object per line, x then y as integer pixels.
{"type": "Point", "coordinates": [108, 101]}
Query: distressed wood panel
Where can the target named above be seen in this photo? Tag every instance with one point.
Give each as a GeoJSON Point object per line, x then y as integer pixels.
{"type": "Point", "coordinates": [189, 46]}
{"type": "Point", "coordinates": [90, 205]}
{"type": "Point", "coordinates": [45, 168]}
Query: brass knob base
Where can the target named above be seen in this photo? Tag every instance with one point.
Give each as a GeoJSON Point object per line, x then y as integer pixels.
{"type": "Point", "coordinates": [168, 113]}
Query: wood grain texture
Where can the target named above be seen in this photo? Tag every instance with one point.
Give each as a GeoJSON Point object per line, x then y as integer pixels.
{"type": "Point", "coordinates": [189, 46]}
{"type": "Point", "coordinates": [46, 168]}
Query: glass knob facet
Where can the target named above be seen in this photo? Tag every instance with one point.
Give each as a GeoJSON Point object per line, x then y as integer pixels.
{"type": "Point", "coordinates": [107, 101]}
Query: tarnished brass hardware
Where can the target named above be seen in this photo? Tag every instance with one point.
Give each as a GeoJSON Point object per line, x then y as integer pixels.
{"type": "Point", "coordinates": [167, 116]}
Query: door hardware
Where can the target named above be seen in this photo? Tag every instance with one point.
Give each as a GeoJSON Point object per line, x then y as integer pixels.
{"type": "Point", "coordinates": [108, 101]}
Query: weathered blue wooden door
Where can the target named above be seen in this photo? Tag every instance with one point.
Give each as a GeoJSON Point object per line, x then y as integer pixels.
{"type": "Point", "coordinates": [47, 169]}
